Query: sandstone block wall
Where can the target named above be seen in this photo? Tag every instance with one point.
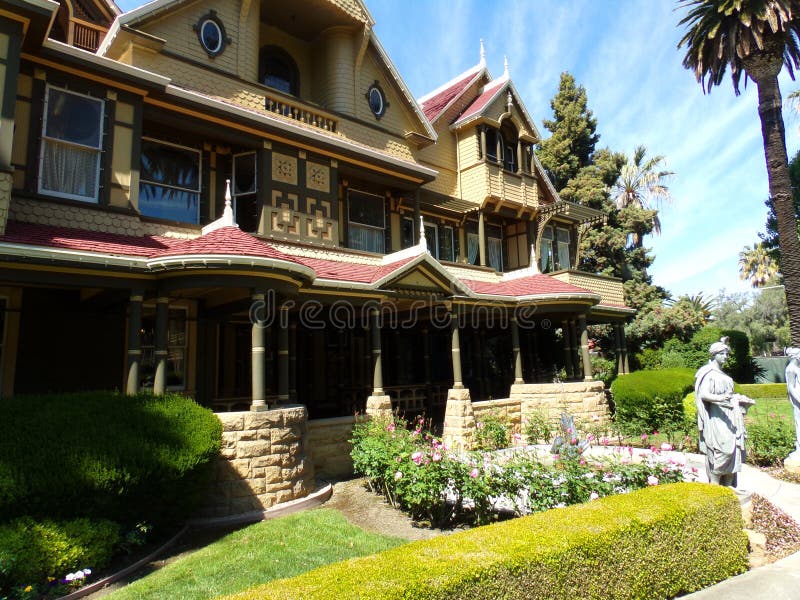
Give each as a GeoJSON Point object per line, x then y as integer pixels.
{"type": "Point", "coordinates": [330, 446]}
{"type": "Point", "coordinates": [583, 400]}
{"type": "Point", "coordinates": [507, 410]}
{"type": "Point", "coordinates": [264, 461]}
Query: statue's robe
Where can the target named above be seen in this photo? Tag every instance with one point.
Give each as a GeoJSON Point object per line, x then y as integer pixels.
{"type": "Point", "coordinates": [722, 432]}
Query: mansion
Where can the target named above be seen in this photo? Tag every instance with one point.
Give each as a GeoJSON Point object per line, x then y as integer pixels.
{"type": "Point", "coordinates": [244, 202]}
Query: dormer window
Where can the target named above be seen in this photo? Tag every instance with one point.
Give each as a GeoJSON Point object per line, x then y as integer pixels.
{"type": "Point", "coordinates": [279, 71]}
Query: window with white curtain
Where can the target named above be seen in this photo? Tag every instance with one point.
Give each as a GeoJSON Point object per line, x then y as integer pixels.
{"type": "Point", "coordinates": [72, 137]}
{"type": "Point", "coordinates": [546, 258]}
{"type": "Point", "coordinates": [562, 247]}
{"type": "Point", "coordinates": [472, 248]}
{"type": "Point", "coordinates": [367, 222]}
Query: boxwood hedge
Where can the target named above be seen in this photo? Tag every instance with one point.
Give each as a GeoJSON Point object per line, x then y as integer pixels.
{"type": "Point", "coordinates": [655, 543]}
{"type": "Point", "coordinates": [647, 401]}
{"type": "Point", "coordinates": [104, 455]}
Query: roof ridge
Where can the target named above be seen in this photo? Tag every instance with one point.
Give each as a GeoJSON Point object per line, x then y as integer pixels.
{"type": "Point", "coordinates": [475, 68]}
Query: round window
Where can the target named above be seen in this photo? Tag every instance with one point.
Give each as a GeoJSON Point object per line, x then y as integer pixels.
{"type": "Point", "coordinates": [211, 36]}
{"type": "Point", "coordinates": [377, 100]}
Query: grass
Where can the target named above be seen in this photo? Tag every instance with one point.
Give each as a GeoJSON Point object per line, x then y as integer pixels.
{"type": "Point", "coordinates": [768, 408]}
{"type": "Point", "coordinates": [259, 553]}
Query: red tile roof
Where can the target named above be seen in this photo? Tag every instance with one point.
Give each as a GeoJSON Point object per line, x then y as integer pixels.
{"type": "Point", "coordinates": [347, 271]}
{"type": "Point", "coordinates": [525, 286]}
{"type": "Point", "coordinates": [489, 92]}
{"type": "Point", "coordinates": [65, 238]}
{"type": "Point", "coordinates": [226, 240]}
{"type": "Point", "coordinates": [434, 105]}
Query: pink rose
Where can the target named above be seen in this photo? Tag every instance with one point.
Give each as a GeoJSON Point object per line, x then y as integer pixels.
{"type": "Point", "coordinates": [652, 480]}
{"type": "Point", "coordinates": [594, 496]}
{"type": "Point", "coordinates": [417, 457]}
{"type": "Point", "coordinates": [474, 472]}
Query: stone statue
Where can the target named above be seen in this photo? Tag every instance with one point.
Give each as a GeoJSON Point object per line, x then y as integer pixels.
{"type": "Point", "coordinates": [793, 387]}
{"type": "Point", "coordinates": [720, 418]}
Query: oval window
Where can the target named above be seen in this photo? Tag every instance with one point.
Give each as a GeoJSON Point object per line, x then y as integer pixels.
{"type": "Point", "coordinates": [211, 36]}
{"type": "Point", "coordinates": [377, 100]}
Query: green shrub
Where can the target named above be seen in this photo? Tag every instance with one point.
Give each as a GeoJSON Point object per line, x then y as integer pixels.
{"type": "Point", "coordinates": [603, 369]}
{"type": "Point", "coordinates": [105, 455]}
{"type": "Point", "coordinates": [491, 433]}
{"type": "Point", "coordinates": [647, 401]}
{"type": "Point", "coordinates": [694, 353]}
{"type": "Point", "coordinates": [538, 427]}
{"type": "Point", "coordinates": [660, 542]}
{"type": "Point", "coordinates": [33, 550]}
{"type": "Point", "coordinates": [648, 359]}
{"type": "Point", "coordinates": [770, 440]}
{"type": "Point", "coordinates": [762, 390]}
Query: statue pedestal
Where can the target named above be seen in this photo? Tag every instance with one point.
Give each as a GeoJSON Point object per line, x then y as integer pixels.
{"type": "Point", "coordinates": [792, 462]}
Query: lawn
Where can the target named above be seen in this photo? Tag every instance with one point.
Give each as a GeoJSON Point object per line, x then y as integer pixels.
{"type": "Point", "coordinates": [259, 553]}
{"type": "Point", "coordinates": [767, 408]}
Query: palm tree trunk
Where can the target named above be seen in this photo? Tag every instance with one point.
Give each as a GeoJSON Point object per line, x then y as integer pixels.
{"type": "Point", "coordinates": [780, 191]}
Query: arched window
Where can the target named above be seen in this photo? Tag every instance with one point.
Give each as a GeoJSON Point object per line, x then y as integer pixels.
{"type": "Point", "coordinates": [278, 70]}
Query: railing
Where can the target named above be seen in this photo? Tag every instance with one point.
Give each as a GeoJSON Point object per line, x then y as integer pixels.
{"type": "Point", "coordinates": [230, 404]}
{"type": "Point", "coordinates": [486, 178]}
{"type": "Point", "coordinates": [87, 35]}
{"type": "Point", "coordinates": [414, 399]}
{"type": "Point", "coordinates": [300, 113]}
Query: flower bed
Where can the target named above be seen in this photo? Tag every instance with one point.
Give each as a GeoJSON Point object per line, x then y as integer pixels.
{"type": "Point", "coordinates": [418, 474]}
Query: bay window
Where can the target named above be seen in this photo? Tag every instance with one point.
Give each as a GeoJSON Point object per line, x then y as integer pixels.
{"type": "Point", "coordinates": [169, 181]}
{"type": "Point", "coordinates": [554, 253]}
{"type": "Point", "coordinates": [72, 134]}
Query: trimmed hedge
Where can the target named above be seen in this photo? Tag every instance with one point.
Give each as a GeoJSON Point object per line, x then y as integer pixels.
{"type": "Point", "coordinates": [647, 401]}
{"type": "Point", "coordinates": [105, 455]}
{"type": "Point", "coordinates": [660, 542]}
{"type": "Point", "coordinates": [694, 353]}
{"type": "Point", "coordinates": [30, 551]}
{"type": "Point", "coordinates": [762, 390]}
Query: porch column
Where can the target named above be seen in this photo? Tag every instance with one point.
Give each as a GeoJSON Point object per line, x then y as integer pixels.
{"type": "Point", "coordinates": [481, 239]}
{"type": "Point", "coordinates": [626, 366]}
{"type": "Point", "coordinates": [258, 357]}
{"type": "Point", "coordinates": [618, 333]}
{"type": "Point", "coordinates": [416, 217]}
{"type": "Point", "coordinates": [519, 157]}
{"type": "Point", "coordinates": [134, 341]}
{"type": "Point", "coordinates": [517, 354]}
{"type": "Point", "coordinates": [483, 141]}
{"type": "Point", "coordinates": [293, 362]}
{"type": "Point", "coordinates": [573, 348]}
{"type": "Point", "coordinates": [455, 352]}
{"type": "Point", "coordinates": [283, 355]}
{"type": "Point", "coordinates": [459, 420]}
{"type": "Point", "coordinates": [162, 320]}
{"type": "Point", "coordinates": [378, 404]}
{"type": "Point", "coordinates": [567, 352]}
{"type": "Point", "coordinates": [585, 358]}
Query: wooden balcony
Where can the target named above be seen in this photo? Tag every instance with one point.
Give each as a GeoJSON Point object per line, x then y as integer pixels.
{"type": "Point", "coordinates": [485, 179]}
{"type": "Point", "coordinates": [85, 35]}
{"type": "Point", "coordinates": [609, 288]}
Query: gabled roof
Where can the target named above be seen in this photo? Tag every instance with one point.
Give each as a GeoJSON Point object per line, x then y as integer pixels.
{"type": "Point", "coordinates": [491, 91]}
{"type": "Point", "coordinates": [527, 286]}
{"type": "Point", "coordinates": [435, 103]}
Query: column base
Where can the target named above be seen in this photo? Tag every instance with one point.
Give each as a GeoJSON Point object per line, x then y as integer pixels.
{"type": "Point", "coordinates": [379, 406]}
{"type": "Point", "coordinates": [258, 407]}
{"type": "Point", "coordinates": [792, 462]}
{"type": "Point", "coordinates": [459, 420]}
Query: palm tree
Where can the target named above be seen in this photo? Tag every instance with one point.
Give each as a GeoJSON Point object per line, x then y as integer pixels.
{"type": "Point", "coordinates": [757, 265]}
{"type": "Point", "coordinates": [755, 37]}
{"type": "Point", "coordinates": [641, 183]}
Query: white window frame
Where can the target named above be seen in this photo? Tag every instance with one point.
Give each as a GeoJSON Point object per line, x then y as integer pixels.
{"type": "Point", "coordinates": [559, 245]}
{"type": "Point", "coordinates": [198, 191]}
{"type": "Point", "coordinates": [46, 139]}
{"type": "Point", "coordinates": [351, 222]}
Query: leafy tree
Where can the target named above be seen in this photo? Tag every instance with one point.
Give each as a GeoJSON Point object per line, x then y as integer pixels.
{"type": "Point", "coordinates": [770, 238]}
{"type": "Point", "coordinates": [756, 265]}
{"type": "Point", "coordinates": [763, 316]}
{"type": "Point", "coordinates": [759, 38]}
{"type": "Point", "coordinates": [573, 138]}
{"type": "Point", "coordinates": [641, 184]}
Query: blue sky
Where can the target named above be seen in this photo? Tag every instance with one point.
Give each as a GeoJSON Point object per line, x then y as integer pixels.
{"type": "Point", "coordinates": [624, 53]}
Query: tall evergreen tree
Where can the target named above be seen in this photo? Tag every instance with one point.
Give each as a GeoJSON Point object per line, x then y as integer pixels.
{"type": "Point", "coordinates": [571, 145]}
